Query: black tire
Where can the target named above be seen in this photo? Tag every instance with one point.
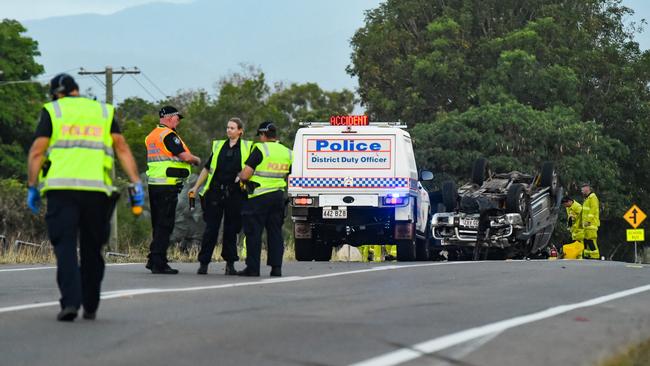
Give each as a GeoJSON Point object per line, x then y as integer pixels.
{"type": "Point", "coordinates": [449, 195]}
{"type": "Point", "coordinates": [322, 252]}
{"type": "Point", "coordinates": [516, 200]}
{"type": "Point", "coordinates": [304, 250]}
{"type": "Point", "coordinates": [422, 250]}
{"type": "Point", "coordinates": [549, 177]}
{"type": "Point", "coordinates": [405, 250]}
{"type": "Point", "coordinates": [479, 171]}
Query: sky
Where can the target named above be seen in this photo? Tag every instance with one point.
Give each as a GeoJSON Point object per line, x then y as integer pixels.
{"type": "Point", "coordinates": [40, 9]}
{"type": "Point", "coordinates": [208, 40]}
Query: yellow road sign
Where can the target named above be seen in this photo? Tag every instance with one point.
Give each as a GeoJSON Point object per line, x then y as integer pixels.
{"type": "Point", "coordinates": [634, 216]}
{"type": "Point", "coordinates": [635, 235]}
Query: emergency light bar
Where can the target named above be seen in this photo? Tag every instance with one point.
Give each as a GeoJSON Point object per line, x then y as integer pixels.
{"type": "Point", "coordinates": [361, 120]}
{"type": "Point", "coordinates": [378, 124]}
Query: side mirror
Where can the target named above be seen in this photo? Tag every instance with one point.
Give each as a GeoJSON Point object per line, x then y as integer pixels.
{"type": "Point", "coordinates": [426, 175]}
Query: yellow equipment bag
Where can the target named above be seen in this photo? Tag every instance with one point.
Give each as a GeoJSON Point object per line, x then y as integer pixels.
{"type": "Point", "coordinates": [573, 250]}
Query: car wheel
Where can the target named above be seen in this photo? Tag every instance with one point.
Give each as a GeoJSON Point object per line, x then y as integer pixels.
{"type": "Point", "coordinates": [405, 250]}
{"type": "Point", "coordinates": [304, 250]}
{"type": "Point", "coordinates": [549, 177]}
{"type": "Point", "coordinates": [449, 195]}
{"type": "Point", "coordinates": [480, 171]}
{"type": "Point", "coordinates": [516, 200]}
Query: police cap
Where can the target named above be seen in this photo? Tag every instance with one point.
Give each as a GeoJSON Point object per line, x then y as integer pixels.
{"type": "Point", "coordinates": [268, 128]}
{"type": "Point", "coordinates": [62, 83]}
{"type": "Point", "coordinates": [168, 111]}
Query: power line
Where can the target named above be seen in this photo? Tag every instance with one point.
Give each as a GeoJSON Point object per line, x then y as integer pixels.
{"type": "Point", "coordinates": [143, 88]}
{"type": "Point", "coordinates": [155, 86]}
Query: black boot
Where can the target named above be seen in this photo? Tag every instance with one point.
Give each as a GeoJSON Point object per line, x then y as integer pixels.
{"type": "Point", "coordinates": [230, 269]}
{"type": "Point", "coordinates": [165, 269]}
{"type": "Point", "coordinates": [67, 314]}
{"type": "Point", "coordinates": [203, 269]}
{"type": "Point", "coordinates": [246, 272]}
{"type": "Point", "coordinates": [276, 271]}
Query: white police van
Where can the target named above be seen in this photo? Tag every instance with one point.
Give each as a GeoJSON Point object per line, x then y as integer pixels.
{"type": "Point", "coordinates": [354, 182]}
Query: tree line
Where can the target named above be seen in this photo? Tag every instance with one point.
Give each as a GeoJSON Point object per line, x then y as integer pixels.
{"type": "Point", "coordinates": [519, 82]}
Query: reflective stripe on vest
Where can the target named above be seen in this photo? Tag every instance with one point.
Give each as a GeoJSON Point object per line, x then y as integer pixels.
{"type": "Point", "coordinates": [244, 148]}
{"type": "Point", "coordinates": [159, 159]}
{"type": "Point", "coordinates": [271, 173]}
{"type": "Point", "coordinates": [80, 150]}
{"type": "Point", "coordinates": [68, 144]}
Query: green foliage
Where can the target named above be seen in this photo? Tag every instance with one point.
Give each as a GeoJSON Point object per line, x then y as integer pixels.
{"type": "Point", "coordinates": [19, 102]}
{"type": "Point", "coordinates": [517, 81]}
{"type": "Point", "coordinates": [245, 95]}
{"type": "Point", "coordinates": [515, 137]}
{"type": "Point", "coordinates": [15, 218]}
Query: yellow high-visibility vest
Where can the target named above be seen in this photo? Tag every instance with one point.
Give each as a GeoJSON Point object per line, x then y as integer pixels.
{"type": "Point", "coordinates": [271, 173]}
{"type": "Point", "coordinates": [244, 148]}
{"type": "Point", "coordinates": [80, 151]}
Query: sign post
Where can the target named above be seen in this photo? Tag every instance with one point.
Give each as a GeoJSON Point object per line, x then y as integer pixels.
{"type": "Point", "coordinates": [635, 216]}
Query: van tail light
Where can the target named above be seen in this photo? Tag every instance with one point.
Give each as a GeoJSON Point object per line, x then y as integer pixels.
{"type": "Point", "coordinates": [395, 201]}
{"type": "Point", "coordinates": [302, 201]}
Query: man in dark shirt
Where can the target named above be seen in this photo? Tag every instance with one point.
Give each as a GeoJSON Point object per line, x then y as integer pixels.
{"type": "Point", "coordinates": [76, 181]}
{"type": "Point", "coordinates": [169, 163]}
{"type": "Point", "coordinates": [221, 196]}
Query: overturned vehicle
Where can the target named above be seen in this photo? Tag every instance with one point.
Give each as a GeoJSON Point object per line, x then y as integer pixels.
{"type": "Point", "coordinates": [497, 216]}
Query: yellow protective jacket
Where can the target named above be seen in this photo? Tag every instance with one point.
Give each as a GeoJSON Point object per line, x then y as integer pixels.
{"type": "Point", "coordinates": [591, 212]}
{"type": "Point", "coordinates": [574, 215]}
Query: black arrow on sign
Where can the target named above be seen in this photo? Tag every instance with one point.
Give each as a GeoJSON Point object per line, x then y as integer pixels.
{"type": "Point", "coordinates": [633, 217]}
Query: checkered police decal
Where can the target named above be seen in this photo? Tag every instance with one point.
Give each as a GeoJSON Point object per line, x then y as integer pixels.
{"type": "Point", "coordinates": [351, 182]}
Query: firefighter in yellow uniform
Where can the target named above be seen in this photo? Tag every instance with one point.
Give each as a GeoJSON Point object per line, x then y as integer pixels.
{"type": "Point", "coordinates": [76, 139]}
{"type": "Point", "coordinates": [378, 253]}
{"type": "Point", "coordinates": [590, 222]}
{"type": "Point", "coordinates": [265, 177]}
{"type": "Point", "coordinates": [574, 217]}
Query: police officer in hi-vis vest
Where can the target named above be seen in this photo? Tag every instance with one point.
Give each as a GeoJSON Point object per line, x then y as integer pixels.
{"type": "Point", "coordinates": [73, 150]}
{"type": "Point", "coordinates": [265, 176]}
{"type": "Point", "coordinates": [221, 196]}
{"type": "Point", "coordinates": [169, 164]}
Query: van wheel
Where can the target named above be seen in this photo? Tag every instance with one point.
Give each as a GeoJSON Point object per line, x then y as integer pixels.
{"type": "Point", "coordinates": [322, 252]}
{"type": "Point", "coordinates": [405, 250]}
{"type": "Point", "coordinates": [304, 250]}
{"type": "Point", "coordinates": [422, 250]}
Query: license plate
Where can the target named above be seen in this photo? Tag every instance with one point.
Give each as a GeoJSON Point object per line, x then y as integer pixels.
{"type": "Point", "coordinates": [470, 223]}
{"type": "Point", "coordinates": [339, 213]}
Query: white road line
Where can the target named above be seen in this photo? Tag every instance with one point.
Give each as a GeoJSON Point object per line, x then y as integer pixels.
{"type": "Point", "coordinates": [54, 267]}
{"type": "Point", "coordinates": [437, 344]}
{"type": "Point", "coordinates": [269, 281]}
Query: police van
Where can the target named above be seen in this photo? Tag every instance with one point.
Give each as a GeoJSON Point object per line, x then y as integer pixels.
{"type": "Point", "coordinates": [355, 182]}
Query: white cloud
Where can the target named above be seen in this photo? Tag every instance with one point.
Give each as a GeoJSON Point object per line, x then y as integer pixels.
{"type": "Point", "coordinates": [39, 9]}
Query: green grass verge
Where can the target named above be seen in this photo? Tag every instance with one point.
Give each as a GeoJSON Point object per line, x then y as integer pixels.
{"type": "Point", "coordinates": [637, 355]}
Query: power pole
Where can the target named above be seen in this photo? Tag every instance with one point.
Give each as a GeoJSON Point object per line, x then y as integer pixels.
{"type": "Point", "coordinates": [109, 72]}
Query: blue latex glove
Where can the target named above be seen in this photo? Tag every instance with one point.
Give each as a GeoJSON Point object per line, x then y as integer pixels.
{"type": "Point", "coordinates": [138, 194]}
{"type": "Point", "coordinates": [33, 200]}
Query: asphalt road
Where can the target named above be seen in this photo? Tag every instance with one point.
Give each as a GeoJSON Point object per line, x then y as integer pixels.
{"type": "Point", "coordinates": [481, 313]}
